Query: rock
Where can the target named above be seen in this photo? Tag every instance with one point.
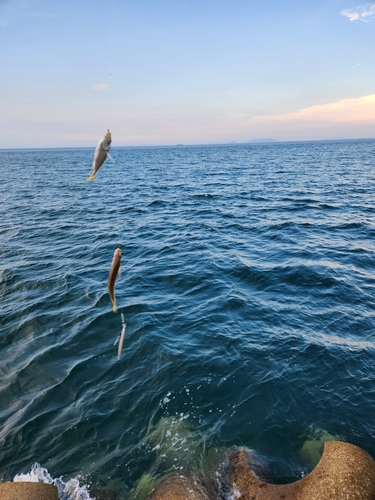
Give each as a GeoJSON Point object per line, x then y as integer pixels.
{"type": "Point", "coordinates": [27, 491]}
{"type": "Point", "coordinates": [344, 472]}
{"type": "Point", "coordinates": [178, 487]}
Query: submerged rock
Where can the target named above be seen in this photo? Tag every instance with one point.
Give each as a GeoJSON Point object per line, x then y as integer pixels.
{"type": "Point", "coordinates": [178, 447]}
{"type": "Point", "coordinates": [176, 441]}
{"type": "Point", "coordinates": [143, 487]}
{"type": "Point", "coordinates": [313, 446]}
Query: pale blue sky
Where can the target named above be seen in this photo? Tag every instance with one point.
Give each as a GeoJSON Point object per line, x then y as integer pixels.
{"type": "Point", "coordinates": [185, 71]}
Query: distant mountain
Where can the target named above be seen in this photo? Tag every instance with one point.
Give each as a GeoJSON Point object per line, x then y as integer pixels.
{"type": "Point", "coordinates": [266, 139]}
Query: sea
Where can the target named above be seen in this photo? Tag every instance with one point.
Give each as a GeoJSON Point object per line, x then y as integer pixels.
{"type": "Point", "coordinates": [247, 287]}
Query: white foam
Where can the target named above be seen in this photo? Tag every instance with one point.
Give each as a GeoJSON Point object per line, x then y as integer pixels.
{"type": "Point", "coordinates": [71, 490]}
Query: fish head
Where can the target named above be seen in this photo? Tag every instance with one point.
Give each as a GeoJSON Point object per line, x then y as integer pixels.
{"type": "Point", "coordinates": [118, 253]}
{"type": "Point", "coordinates": [107, 138]}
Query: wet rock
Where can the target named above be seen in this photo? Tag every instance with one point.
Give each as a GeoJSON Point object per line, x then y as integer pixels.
{"type": "Point", "coordinates": [344, 472]}
{"type": "Point", "coordinates": [27, 491]}
{"type": "Point", "coordinates": [178, 487]}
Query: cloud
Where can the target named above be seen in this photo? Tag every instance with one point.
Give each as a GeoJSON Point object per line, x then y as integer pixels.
{"type": "Point", "coordinates": [361, 14]}
{"type": "Point", "coordinates": [361, 109]}
{"type": "Point", "coordinates": [100, 86]}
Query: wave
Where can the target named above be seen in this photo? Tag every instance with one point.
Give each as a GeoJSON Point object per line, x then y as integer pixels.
{"type": "Point", "coordinates": [70, 490]}
{"type": "Point", "coordinates": [248, 297]}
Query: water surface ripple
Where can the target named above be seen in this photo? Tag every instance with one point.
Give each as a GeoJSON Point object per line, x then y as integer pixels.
{"type": "Point", "coordinates": [247, 287]}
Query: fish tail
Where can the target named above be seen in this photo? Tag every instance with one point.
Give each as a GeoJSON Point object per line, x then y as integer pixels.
{"type": "Point", "coordinates": [90, 178]}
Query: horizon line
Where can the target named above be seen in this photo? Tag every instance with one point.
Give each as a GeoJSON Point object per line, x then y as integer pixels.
{"type": "Point", "coordinates": [267, 142]}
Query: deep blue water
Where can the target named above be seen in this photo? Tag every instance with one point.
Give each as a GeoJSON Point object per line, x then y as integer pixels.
{"type": "Point", "coordinates": [248, 291]}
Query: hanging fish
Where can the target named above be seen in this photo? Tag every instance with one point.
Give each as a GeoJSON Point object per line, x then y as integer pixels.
{"type": "Point", "coordinates": [112, 276]}
{"type": "Point", "coordinates": [101, 153]}
{"type": "Point", "coordinates": [121, 337]}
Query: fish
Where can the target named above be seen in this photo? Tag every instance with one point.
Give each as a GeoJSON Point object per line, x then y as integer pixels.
{"type": "Point", "coordinates": [112, 276]}
{"type": "Point", "coordinates": [101, 153]}
{"type": "Point", "coordinates": [121, 337]}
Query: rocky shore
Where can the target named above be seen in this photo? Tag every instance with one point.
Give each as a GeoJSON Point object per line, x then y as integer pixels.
{"type": "Point", "coordinates": [344, 472]}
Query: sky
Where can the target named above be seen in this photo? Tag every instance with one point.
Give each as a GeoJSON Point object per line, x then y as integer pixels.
{"type": "Point", "coordinates": [164, 72]}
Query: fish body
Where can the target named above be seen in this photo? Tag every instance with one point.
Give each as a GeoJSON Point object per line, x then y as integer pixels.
{"type": "Point", "coordinates": [112, 276]}
{"type": "Point", "coordinates": [101, 153]}
{"type": "Point", "coordinates": [121, 340]}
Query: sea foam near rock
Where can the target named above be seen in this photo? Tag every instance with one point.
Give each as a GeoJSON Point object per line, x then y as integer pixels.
{"type": "Point", "coordinates": [70, 490]}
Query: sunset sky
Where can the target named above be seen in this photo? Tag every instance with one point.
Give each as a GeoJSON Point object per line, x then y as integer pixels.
{"type": "Point", "coordinates": [159, 72]}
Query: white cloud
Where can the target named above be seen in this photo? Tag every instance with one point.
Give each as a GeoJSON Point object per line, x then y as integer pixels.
{"type": "Point", "coordinates": [361, 13]}
{"type": "Point", "coordinates": [100, 86]}
{"type": "Point", "coordinates": [361, 109]}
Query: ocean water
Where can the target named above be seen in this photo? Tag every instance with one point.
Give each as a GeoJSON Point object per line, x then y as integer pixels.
{"type": "Point", "coordinates": [248, 291]}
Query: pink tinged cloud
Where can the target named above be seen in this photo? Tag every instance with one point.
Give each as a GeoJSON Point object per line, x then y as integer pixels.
{"type": "Point", "coordinates": [361, 109]}
{"type": "Point", "coordinates": [361, 14]}
{"type": "Point", "coordinates": [100, 86]}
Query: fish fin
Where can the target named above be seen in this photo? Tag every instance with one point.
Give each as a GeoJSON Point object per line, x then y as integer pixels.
{"type": "Point", "coordinates": [110, 157]}
{"type": "Point", "coordinates": [90, 178]}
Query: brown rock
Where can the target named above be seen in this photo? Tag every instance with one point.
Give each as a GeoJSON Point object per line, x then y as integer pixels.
{"type": "Point", "coordinates": [344, 472]}
{"type": "Point", "coordinates": [178, 488]}
{"type": "Point", "coordinates": [27, 491]}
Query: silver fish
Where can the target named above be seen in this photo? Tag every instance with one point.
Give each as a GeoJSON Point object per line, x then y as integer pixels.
{"type": "Point", "coordinates": [112, 276]}
{"type": "Point", "coordinates": [101, 153]}
{"type": "Point", "coordinates": [122, 336]}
